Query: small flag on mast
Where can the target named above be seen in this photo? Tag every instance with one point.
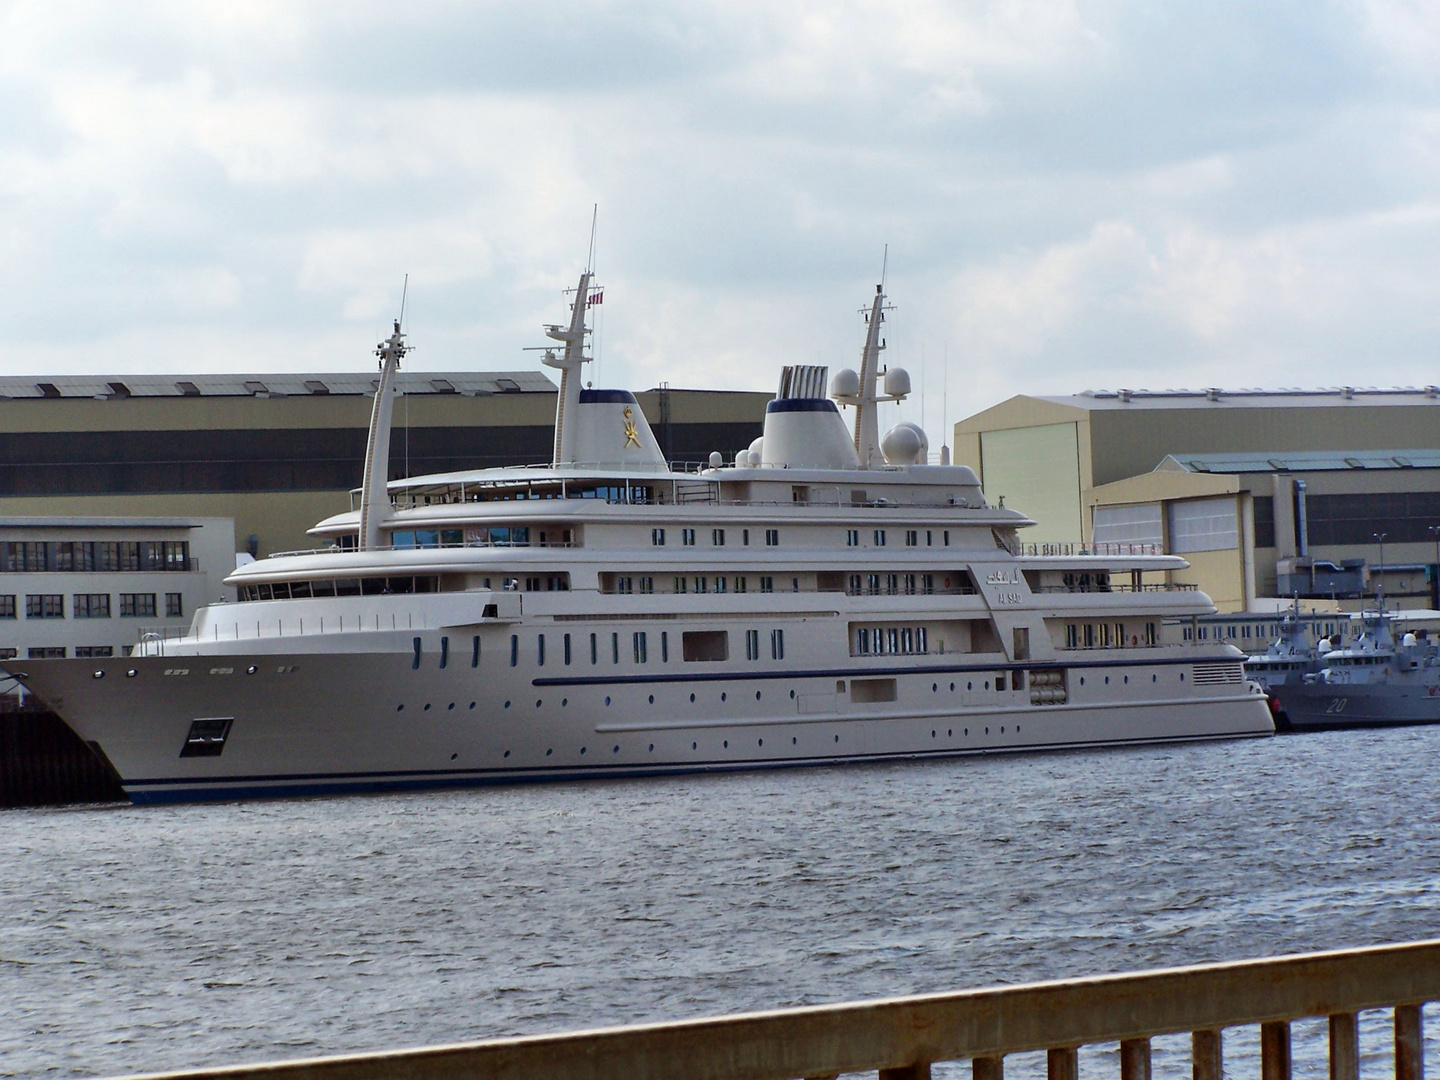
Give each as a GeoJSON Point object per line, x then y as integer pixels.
{"type": "Point", "coordinates": [597, 297]}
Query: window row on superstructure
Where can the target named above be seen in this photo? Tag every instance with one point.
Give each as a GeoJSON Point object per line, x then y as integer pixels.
{"type": "Point", "coordinates": [1110, 635]}
{"type": "Point", "coordinates": [696, 646]}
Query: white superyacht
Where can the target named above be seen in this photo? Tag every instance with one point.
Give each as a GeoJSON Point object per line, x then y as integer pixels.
{"type": "Point", "coordinates": [827, 596]}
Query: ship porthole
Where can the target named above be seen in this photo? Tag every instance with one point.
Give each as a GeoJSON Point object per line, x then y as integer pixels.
{"type": "Point", "coordinates": [454, 756]}
{"type": "Point", "coordinates": [98, 675]}
{"type": "Point", "coordinates": [694, 746]}
{"type": "Point", "coordinates": [793, 741]}
{"type": "Point", "coordinates": [537, 703]}
{"type": "Point", "coordinates": [582, 749]}
{"type": "Point", "coordinates": [450, 707]}
{"type": "Point", "coordinates": [248, 671]}
{"type": "Point", "coordinates": [472, 704]}
{"type": "Point", "coordinates": [507, 753]}
{"type": "Point", "coordinates": [792, 694]}
{"type": "Point", "coordinates": [550, 751]}
{"type": "Point", "coordinates": [399, 708]}
{"type": "Point", "coordinates": [934, 688]}
{"type": "Point", "coordinates": [607, 701]}
{"type": "Point", "coordinates": [757, 695]}
{"type": "Point", "coordinates": [952, 688]}
{"type": "Point", "coordinates": [837, 738]}
{"type": "Point", "coordinates": [507, 704]}
{"type": "Point", "coordinates": [722, 695]}
{"type": "Point", "coordinates": [427, 706]}
{"type": "Point", "coordinates": [1107, 680]}
{"type": "Point", "coordinates": [727, 744]}
{"type": "Point", "coordinates": [761, 742]}
{"type": "Point", "coordinates": [131, 673]}
{"type": "Point", "coordinates": [616, 750]}
{"type": "Point", "coordinates": [652, 747]}
{"type": "Point", "coordinates": [564, 701]}
{"type": "Point", "coordinates": [692, 698]}
{"type": "Point", "coordinates": [652, 699]}
{"type": "Point", "coordinates": [969, 686]}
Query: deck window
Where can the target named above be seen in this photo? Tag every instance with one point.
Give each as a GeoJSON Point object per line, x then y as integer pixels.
{"type": "Point", "coordinates": [705, 645]}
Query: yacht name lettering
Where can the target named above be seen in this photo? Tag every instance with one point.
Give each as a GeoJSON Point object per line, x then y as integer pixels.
{"type": "Point", "coordinates": [1000, 577]}
{"type": "Point", "coordinates": [1007, 598]}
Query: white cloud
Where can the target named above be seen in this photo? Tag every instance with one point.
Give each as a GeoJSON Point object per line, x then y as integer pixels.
{"type": "Point", "coordinates": [1074, 193]}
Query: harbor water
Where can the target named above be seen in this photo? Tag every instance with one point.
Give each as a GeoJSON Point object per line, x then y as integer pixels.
{"type": "Point", "coordinates": [161, 938]}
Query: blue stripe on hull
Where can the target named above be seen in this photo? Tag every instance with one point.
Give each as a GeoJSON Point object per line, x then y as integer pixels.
{"type": "Point", "coordinates": [152, 792]}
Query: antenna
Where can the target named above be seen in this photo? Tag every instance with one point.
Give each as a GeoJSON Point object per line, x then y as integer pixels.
{"type": "Point", "coordinates": [404, 294]}
{"type": "Point", "coordinates": [594, 220]}
{"type": "Point", "coordinates": [945, 395]}
{"type": "Point", "coordinates": [884, 266]}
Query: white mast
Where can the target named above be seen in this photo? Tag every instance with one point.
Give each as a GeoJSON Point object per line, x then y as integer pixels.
{"type": "Point", "coordinates": [573, 337]}
{"type": "Point", "coordinates": [867, 423]}
{"type": "Point", "coordinates": [374, 491]}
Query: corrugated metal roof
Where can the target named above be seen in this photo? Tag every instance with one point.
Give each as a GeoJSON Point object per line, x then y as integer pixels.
{"type": "Point", "coordinates": [272, 384]}
{"type": "Point", "coordinates": [1217, 398]}
{"type": "Point", "coordinates": [1304, 461]}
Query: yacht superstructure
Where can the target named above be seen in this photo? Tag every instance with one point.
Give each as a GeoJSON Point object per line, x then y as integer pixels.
{"type": "Point", "coordinates": [827, 595]}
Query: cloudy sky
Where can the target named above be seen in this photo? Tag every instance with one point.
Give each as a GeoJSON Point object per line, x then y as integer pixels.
{"type": "Point", "coordinates": [1075, 194]}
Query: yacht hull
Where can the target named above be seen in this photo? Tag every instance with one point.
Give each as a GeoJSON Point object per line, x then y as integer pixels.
{"type": "Point", "coordinates": [318, 723]}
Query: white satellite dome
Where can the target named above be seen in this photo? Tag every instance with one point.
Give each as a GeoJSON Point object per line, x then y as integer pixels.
{"type": "Point", "coordinates": [897, 382]}
{"type": "Point", "coordinates": [846, 383]}
{"type": "Point", "coordinates": [905, 444]}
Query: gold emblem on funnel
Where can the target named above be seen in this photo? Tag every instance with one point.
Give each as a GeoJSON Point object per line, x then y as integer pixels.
{"type": "Point", "coordinates": [631, 439]}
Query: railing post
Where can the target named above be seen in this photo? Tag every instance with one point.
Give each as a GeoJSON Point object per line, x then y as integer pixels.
{"type": "Point", "coordinates": [1135, 1059]}
{"type": "Point", "coordinates": [988, 1068]}
{"type": "Point", "coordinates": [1206, 1055]}
{"type": "Point", "coordinates": [1275, 1051]}
{"type": "Point", "coordinates": [1062, 1063]}
{"type": "Point", "coordinates": [1409, 1043]}
{"type": "Point", "coordinates": [918, 1071]}
{"type": "Point", "coordinates": [1344, 1047]}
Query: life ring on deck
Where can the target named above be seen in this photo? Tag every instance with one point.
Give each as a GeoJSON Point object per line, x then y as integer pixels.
{"type": "Point", "coordinates": [947, 583]}
{"type": "Point", "coordinates": [1434, 690]}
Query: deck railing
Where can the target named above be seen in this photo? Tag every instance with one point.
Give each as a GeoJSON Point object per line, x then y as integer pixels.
{"type": "Point", "coordinates": [901, 1037]}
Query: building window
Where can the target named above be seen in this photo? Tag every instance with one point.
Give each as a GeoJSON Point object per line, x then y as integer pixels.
{"type": "Point", "coordinates": [7, 606]}
{"type": "Point", "coordinates": [772, 537]}
{"type": "Point", "coordinates": [862, 640]}
{"type": "Point", "coordinates": [657, 537]}
{"type": "Point", "coordinates": [638, 641]}
{"type": "Point", "coordinates": [624, 585]}
{"type": "Point", "coordinates": [909, 582]}
{"type": "Point", "coordinates": [52, 606]}
{"type": "Point", "coordinates": [879, 537]}
{"type": "Point", "coordinates": [777, 644]}
{"type": "Point", "coordinates": [91, 605]}
{"type": "Point", "coordinates": [174, 605]}
{"type": "Point", "coordinates": [872, 584]}
{"type": "Point", "coordinates": [752, 644]}
{"type": "Point", "coordinates": [687, 537]}
{"type": "Point", "coordinates": [852, 537]}
{"type": "Point", "coordinates": [681, 584]}
{"type": "Point", "coordinates": [1089, 635]}
{"type": "Point", "coordinates": [927, 584]}
{"type": "Point", "coordinates": [922, 640]}
{"type": "Point", "coordinates": [854, 585]}
{"type": "Point", "coordinates": [892, 584]}
{"type": "Point", "coordinates": [9, 654]}
{"type": "Point", "coordinates": [82, 651]}
{"type": "Point", "coordinates": [719, 584]}
{"type": "Point", "coordinates": [1072, 636]}
{"type": "Point", "coordinates": [48, 652]}
{"type": "Point", "coordinates": [717, 537]}
{"type": "Point", "coordinates": [741, 584]}
{"type": "Point", "coordinates": [647, 584]}
{"type": "Point", "coordinates": [767, 584]}
{"type": "Point", "coordinates": [701, 584]}
{"type": "Point", "coordinates": [912, 538]}
{"type": "Point", "coordinates": [1149, 633]}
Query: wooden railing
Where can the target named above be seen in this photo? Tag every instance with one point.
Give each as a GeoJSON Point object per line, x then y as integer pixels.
{"type": "Point", "coordinates": [901, 1037]}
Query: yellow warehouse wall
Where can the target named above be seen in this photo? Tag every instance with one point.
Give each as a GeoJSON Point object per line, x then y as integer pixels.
{"type": "Point", "coordinates": [1037, 470]}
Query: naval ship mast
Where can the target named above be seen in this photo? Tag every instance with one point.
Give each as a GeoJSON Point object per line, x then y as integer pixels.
{"type": "Point", "coordinates": [374, 488]}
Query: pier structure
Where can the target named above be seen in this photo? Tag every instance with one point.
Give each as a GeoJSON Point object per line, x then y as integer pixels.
{"type": "Point", "coordinates": [901, 1038]}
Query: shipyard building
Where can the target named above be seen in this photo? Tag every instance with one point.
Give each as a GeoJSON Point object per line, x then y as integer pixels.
{"type": "Point", "coordinates": [1324, 494]}
{"type": "Point", "coordinates": [124, 500]}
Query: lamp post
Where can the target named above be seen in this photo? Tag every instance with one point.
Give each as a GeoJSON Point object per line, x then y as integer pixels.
{"type": "Point", "coordinates": [1434, 531]}
{"type": "Point", "coordinates": [1380, 568]}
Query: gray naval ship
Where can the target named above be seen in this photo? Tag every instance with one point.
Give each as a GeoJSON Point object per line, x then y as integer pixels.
{"type": "Point", "coordinates": [1372, 682]}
